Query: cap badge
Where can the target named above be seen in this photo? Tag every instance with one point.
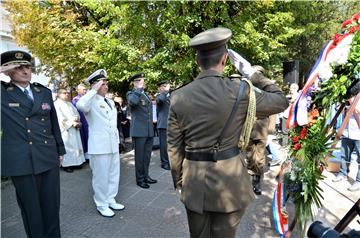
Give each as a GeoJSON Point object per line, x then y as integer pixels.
{"type": "Point", "coordinates": [19, 55]}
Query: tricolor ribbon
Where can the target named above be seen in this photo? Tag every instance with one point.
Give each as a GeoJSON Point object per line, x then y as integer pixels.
{"type": "Point", "coordinates": [279, 210]}
{"type": "Point", "coordinates": [298, 111]}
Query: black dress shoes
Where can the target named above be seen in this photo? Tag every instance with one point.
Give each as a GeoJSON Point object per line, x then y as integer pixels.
{"type": "Point", "coordinates": [256, 182]}
{"type": "Point", "coordinates": [143, 185]}
{"type": "Point", "coordinates": [165, 166]}
{"type": "Point", "coordinates": [68, 169]}
{"type": "Point", "coordinates": [150, 180]}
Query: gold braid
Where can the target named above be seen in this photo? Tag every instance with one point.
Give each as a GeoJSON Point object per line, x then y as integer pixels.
{"type": "Point", "coordinates": [250, 118]}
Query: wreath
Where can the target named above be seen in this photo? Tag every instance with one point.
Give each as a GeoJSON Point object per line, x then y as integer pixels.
{"type": "Point", "coordinates": [311, 131]}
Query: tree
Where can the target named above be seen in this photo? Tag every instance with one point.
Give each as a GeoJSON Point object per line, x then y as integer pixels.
{"type": "Point", "coordinates": [74, 38]}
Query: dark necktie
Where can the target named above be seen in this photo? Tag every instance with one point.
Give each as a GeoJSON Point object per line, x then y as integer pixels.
{"type": "Point", "coordinates": [108, 103]}
{"type": "Point", "coordinates": [28, 95]}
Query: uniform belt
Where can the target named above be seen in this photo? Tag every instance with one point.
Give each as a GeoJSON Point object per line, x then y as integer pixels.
{"type": "Point", "coordinates": [212, 156]}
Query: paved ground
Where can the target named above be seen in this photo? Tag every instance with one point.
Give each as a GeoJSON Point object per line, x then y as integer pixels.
{"type": "Point", "coordinates": [157, 212]}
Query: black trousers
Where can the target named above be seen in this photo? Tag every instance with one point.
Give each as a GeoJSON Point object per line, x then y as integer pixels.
{"type": "Point", "coordinates": [213, 224]}
{"type": "Point", "coordinates": [143, 148]}
{"type": "Point", "coordinates": [38, 197]}
{"type": "Point", "coordinates": [163, 147]}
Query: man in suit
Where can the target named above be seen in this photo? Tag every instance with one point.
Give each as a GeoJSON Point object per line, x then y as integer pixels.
{"type": "Point", "coordinates": [103, 143]}
{"type": "Point", "coordinates": [141, 129]}
{"type": "Point", "coordinates": [212, 177]}
{"type": "Point", "coordinates": [32, 148]}
{"type": "Point", "coordinates": [162, 108]}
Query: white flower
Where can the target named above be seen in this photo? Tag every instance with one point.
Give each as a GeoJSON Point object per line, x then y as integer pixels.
{"type": "Point", "coordinates": [325, 71]}
{"type": "Point", "coordinates": [292, 176]}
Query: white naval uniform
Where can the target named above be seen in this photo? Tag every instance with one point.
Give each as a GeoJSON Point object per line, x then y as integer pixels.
{"type": "Point", "coordinates": [103, 146]}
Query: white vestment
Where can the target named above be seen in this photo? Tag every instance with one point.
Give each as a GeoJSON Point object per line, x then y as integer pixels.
{"type": "Point", "coordinates": [67, 114]}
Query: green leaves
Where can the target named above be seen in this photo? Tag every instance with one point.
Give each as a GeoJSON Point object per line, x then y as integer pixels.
{"type": "Point", "coordinates": [74, 38]}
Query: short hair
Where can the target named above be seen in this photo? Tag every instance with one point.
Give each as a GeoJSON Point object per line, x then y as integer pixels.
{"type": "Point", "coordinates": [206, 62]}
{"type": "Point", "coordinates": [81, 85]}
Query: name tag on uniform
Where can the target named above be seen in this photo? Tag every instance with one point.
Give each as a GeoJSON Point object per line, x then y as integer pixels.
{"type": "Point", "coordinates": [14, 104]}
{"type": "Point", "coordinates": [102, 106]}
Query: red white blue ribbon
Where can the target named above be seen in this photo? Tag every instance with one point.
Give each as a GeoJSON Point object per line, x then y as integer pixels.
{"type": "Point", "coordinates": [279, 211]}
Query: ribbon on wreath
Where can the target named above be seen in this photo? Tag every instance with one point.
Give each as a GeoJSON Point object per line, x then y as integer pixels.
{"type": "Point", "coordinates": [298, 110]}
{"type": "Point", "coordinates": [279, 210]}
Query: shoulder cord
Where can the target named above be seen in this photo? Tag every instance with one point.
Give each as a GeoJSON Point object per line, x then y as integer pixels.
{"type": "Point", "coordinates": [250, 118]}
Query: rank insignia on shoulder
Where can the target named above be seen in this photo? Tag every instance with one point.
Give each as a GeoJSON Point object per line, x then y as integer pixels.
{"type": "Point", "coordinates": [37, 89]}
{"type": "Point", "coordinates": [10, 88]}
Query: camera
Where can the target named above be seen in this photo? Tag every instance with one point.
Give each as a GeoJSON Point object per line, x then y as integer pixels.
{"type": "Point", "coordinates": [318, 230]}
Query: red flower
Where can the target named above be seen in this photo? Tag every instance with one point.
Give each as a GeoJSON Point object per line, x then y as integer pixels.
{"type": "Point", "coordinates": [297, 146]}
{"type": "Point", "coordinates": [303, 133]}
{"type": "Point", "coordinates": [345, 23]}
{"type": "Point", "coordinates": [352, 30]}
{"type": "Point", "coordinates": [295, 139]}
{"type": "Point", "coordinates": [356, 16]}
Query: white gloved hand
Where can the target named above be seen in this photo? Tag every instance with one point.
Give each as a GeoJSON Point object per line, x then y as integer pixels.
{"type": "Point", "coordinates": [4, 69]}
{"type": "Point", "coordinates": [241, 64]}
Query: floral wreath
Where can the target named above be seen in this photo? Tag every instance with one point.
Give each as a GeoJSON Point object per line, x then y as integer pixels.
{"type": "Point", "coordinates": [335, 72]}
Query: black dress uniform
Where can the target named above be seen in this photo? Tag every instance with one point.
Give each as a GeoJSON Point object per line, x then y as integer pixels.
{"type": "Point", "coordinates": [31, 145]}
{"type": "Point", "coordinates": [141, 131]}
{"type": "Point", "coordinates": [162, 109]}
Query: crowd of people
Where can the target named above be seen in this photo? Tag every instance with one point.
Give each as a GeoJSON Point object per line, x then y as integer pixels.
{"type": "Point", "coordinates": [198, 128]}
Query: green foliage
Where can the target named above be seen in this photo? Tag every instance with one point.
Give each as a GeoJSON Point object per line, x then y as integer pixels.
{"type": "Point", "coordinates": [74, 38]}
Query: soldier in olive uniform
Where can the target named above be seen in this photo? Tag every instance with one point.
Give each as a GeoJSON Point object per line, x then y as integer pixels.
{"type": "Point", "coordinates": [255, 152]}
{"type": "Point", "coordinates": [162, 109]}
{"type": "Point", "coordinates": [32, 148]}
{"type": "Point", "coordinates": [213, 180]}
{"type": "Point", "coordinates": [141, 129]}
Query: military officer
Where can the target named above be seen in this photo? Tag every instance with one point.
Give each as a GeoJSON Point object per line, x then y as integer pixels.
{"type": "Point", "coordinates": [32, 148]}
{"type": "Point", "coordinates": [141, 129]}
{"type": "Point", "coordinates": [103, 143]}
{"type": "Point", "coordinates": [212, 177]}
{"type": "Point", "coordinates": [162, 108]}
{"type": "Point", "coordinates": [255, 152]}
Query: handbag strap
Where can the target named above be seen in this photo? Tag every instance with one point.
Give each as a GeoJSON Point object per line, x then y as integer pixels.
{"type": "Point", "coordinates": [216, 146]}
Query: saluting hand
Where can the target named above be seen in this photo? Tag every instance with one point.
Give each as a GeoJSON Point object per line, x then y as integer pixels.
{"type": "Point", "coordinates": [241, 64]}
{"type": "Point", "coordinates": [97, 85]}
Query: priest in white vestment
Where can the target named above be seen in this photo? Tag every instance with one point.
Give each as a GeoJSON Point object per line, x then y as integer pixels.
{"type": "Point", "coordinates": [69, 122]}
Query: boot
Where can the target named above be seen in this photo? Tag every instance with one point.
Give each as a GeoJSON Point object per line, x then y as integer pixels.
{"type": "Point", "coordinates": [256, 182]}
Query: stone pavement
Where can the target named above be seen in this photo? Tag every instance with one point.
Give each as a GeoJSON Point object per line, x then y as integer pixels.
{"type": "Point", "coordinates": [158, 212]}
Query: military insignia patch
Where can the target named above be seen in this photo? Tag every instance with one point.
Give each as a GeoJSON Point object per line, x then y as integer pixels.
{"type": "Point", "coordinates": [14, 104]}
{"type": "Point", "coordinates": [19, 55]}
{"type": "Point", "coordinates": [45, 106]}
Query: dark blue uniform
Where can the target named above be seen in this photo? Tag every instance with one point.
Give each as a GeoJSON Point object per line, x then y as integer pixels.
{"type": "Point", "coordinates": [162, 108]}
{"type": "Point", "coordinates": [31, 145]}
{"type": "Point", "coordinates": [141, 131]}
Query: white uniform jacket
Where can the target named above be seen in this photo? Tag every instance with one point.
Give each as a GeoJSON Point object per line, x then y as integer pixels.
{"type": "Point", "coordinates": [102, 120]}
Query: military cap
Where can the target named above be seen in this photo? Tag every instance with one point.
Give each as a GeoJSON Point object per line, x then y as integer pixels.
{"type": "Point", "coordinates": [137, 77]}
{"type": "Point", "coordinates": [99, 74]}
{"type": "Point", "coordinates": [15, 57]}
{"type": "Point", "coordinates": [211, 42]}
{"type": "Point", "coordinates": [162, 82]}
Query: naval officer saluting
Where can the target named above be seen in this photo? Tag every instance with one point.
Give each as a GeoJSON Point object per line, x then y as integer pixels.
{"type": "Point", "coordinates": [103, 143]}
{"type": "Point", "coordinates": [31, 143]}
